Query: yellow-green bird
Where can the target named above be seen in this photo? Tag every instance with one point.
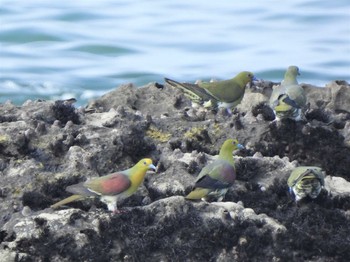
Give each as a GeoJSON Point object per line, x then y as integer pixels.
{"type": "Point", "coordinates": [226, 93]}
{"type": "Point", "coordinates": [288, 99]}
{"type": "Point", "coordinates": [216, 178]}
{"type": "Point", "coordinates": [306, 181]}
{"type": "Point", "coordinates": [112, 187]}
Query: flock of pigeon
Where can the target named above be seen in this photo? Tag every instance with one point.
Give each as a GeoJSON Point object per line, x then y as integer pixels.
{"type": "Point", "coordinates": [288, 100]}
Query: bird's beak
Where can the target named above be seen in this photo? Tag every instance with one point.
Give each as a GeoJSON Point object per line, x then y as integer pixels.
{"type": "Point", "coordinates": [253, 82]}
{"type": "Point", "coordinates": [240, 147]}
{"type": "Point", "coordinates": [151, 166]}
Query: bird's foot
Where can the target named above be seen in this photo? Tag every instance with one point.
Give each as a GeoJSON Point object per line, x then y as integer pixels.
{"type": "Point", "coordinates": [229, 111]}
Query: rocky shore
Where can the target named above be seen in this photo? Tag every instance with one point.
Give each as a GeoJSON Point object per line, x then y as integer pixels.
{"type": "Point", "coordinates": [48, 145]}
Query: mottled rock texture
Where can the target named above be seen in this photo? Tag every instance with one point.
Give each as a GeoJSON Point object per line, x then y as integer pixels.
{"type": "Point", "coordinates": [48, 145]}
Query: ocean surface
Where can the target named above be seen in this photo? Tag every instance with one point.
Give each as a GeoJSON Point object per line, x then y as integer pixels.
{"type": "Point", "coordinates": [83, 49]}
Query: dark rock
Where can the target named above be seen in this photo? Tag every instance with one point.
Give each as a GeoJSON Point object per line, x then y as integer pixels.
{"type": "Point", "coordinates": [65, 112]}
{"type": "Point", "coordinates": [264, 110]}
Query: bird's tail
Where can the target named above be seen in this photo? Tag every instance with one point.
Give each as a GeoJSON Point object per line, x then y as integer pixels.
{"type": "Point", "coordinates": [192, 91]}
{"type": "Point", "coordinates": [198, 193]}
{"type": "Point", "coordinates": [67, 200]}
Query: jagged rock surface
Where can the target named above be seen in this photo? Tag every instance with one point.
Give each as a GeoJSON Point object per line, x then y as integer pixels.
{"type": "Point", "coordinates": [46, 146]}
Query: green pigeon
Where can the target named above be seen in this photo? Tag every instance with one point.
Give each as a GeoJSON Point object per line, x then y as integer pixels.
{"type": "Point", "coordinates": [305, 181]}
{"type": "Point", "coordinates": [288, 99]}
{"type": "Point", "coordinates": [226, 93]}
{"type": "Point", "coordinates": [216, 177]}
{"type": "Point", "coordinates": [112, 187]}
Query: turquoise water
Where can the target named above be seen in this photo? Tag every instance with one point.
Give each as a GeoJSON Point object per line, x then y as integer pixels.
{"type": "Point", "coordinates": [82, 49]}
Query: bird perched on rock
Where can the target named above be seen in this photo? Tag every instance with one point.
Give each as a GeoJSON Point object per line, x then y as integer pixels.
{"type": "Point", "coordinates": [215, 178]}
{"type": "Point", "coordinates": [288, 99]}
{"type": "Point", "coordinates": [306, 181]}
{"type": "Point", "coordinates": [227, 93]}
{"type": "Point", "coordinates": [112, 187]}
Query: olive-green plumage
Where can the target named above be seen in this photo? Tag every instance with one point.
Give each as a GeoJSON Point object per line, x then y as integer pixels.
{"type": "Point", "coordinates": [306, 181]}
{"type": "Point", "coordinates": [227, 93]}
{"type": "Point", "coordinates": [288, 99]}
{"type": "Point", "coordinates": [216, 177]}
{"type": "Point", "coordinates": [110, 188]}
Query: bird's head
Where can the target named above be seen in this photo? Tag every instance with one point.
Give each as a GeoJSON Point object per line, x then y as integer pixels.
{"type": "Point", "coordinates": [231, 145]}
{"type": "Point", "coordinates": [246, 77]}
{"type": "Point", "coordinates": [145, 164]}
{"type": "Point", "coordinates": [228, 147]}
{"type": "Point", "coordinates": [293, 71]}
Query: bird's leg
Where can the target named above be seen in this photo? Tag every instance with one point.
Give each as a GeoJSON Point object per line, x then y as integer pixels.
{"type": "Point", "coordinates": [220, 199]}
{"type": "Point", "coordinates": [113, 207]}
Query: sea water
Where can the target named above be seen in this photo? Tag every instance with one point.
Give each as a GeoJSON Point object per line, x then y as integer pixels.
{"type": "Point", "coordinates": [83, 49]}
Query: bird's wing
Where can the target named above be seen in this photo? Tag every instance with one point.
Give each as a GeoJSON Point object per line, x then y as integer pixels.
{"type": "Point", "coordinates": [317, 171]}
{"type": "Point", "coordinates": [80, 189]}
{"type": "Point", "coordinates": [112, 184]}
{"type": "Point", "coordinates": [297, 94]}
{"type": "Point", "coordinates": [225, 91]}
{"type": "Point", "coordinates": [216, 175]}
{"type": "Point", "coordinates": [286, 100]}
{"type": "Point", "coordinates": [192, 91]}
{"type": "Point", "coordinates": [277, 91]}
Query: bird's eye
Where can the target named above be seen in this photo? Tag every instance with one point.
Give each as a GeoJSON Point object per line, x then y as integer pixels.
{"type": "Point", "coordinates": [145, 163]}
